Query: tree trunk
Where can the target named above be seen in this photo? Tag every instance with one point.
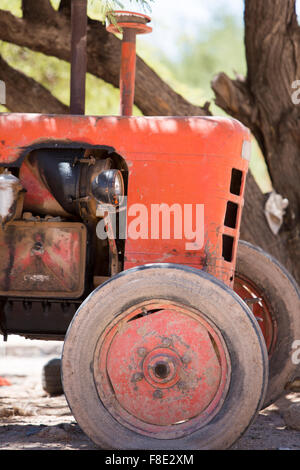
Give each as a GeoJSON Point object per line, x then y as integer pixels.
{"type": "Point", "coordinates": [263, 102]}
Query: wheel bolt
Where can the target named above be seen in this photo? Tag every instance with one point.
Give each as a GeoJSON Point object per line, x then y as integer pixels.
{"type": "Point", "coordinates": [182, 385]}
{"type": "Point", "coordinates": [166, 342]}
{"type": "Point", "coordinates": [142, 352]}
{"type": "Point", "coordinates": [186, 359]}
{"type": "Point", "coordinates": [157, 394]}
{"type": "Point", "coordinates": [137, 377]}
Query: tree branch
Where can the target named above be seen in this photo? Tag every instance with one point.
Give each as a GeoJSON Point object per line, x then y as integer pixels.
{"type": "Point", "coordinates": [23, 94]}
{"type": "Point", "coordinates": [65, 7]}
{"type": "Point", "coordinates": [233, 97]}
{"type": "Point", "coordinates": [153, 96]}
{"type": "Point", "coordinates": [34, 13]}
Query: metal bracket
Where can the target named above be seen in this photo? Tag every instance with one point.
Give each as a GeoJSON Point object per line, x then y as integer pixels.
{"type": "Point", "coordinates": [252, 301]}
{"type": "Point", "coordinates": [89, 160]}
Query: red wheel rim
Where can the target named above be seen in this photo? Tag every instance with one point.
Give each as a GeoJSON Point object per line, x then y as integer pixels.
{"type": "Point", "coordinates": [162, 370]}
{"type": "Point", "coordinates": [246, 289]}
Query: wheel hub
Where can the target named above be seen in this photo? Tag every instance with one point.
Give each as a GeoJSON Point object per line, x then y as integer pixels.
{"type": "Point", "coordinates": [161, 369]}
{"type": "Point", "coordinates": [249, 292]}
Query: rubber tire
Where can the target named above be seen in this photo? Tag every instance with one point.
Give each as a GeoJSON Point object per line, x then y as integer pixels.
{"type": "Point", "coordinates": [51, 377]}
{"type": "Point", "coordinates": [282, 295]}
{"type": "Point", "coordinates": [190, 287]}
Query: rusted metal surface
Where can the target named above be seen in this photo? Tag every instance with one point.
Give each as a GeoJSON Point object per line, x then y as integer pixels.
{"type": "Point", "coordinates": [38, 197]}
{"type": "Point", "coordinates": [34, 317]}
{"type": "Point", "coordinates": [130, 24]}
{"type": "Point", "coordinates": [162, 369]}
{"type": "Point", "coordinates": [78, 56]}
{"type": "Point", "coordinates": [170, 160]}
{"type": "Point", "coordinates": [127, 73]}
{"type": "Point", "coordinates": [58, 181]}
{"type": "Point", "coordinates": [248, 291]}
{"type": "Point", "coordinates": [98, 280]}
{"type": "Point", "coordinates": [119, 19]}
{"type": "Point", "coordinates": [113, 249]}
{"type": "Point", "coordinates": [43, 259]}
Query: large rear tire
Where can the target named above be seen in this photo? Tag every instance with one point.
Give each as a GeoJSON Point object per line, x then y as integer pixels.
{"type": "Point", "coordinates": [259, 275]}
{"type": "Point", "coordinates": [164, 357]}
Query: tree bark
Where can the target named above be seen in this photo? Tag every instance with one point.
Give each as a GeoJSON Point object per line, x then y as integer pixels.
{"type": "Point", "coordinates": [32, 13]}
{"type": "Point", "coordinates": [263, 102]}
{"type": "Point", "coordinates": [24, 93]}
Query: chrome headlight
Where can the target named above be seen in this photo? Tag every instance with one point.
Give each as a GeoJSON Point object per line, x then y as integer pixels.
{"type": "Point", "coordinates": [108, 187]}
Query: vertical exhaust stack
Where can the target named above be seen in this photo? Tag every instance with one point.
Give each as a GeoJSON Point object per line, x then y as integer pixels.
{"type": "Point", "coordinates": [130, 24]}
{"type": "Point", "coordinates": [78, 56]}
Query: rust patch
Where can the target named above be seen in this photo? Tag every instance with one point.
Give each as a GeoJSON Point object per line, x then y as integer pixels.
{"type": "Point", "coordinates": [42, 259]}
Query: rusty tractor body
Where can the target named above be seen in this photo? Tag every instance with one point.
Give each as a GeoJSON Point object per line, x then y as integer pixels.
{"type": "Point", "coordinates": [46, 251]}
{"type": "Point", "coordinates": [120, 235]}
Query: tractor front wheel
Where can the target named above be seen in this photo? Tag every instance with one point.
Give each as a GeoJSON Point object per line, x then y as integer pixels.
{"type": "Point", "coordinates": [164, 357]}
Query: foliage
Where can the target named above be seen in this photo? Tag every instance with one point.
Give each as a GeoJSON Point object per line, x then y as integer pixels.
{"type": "Point", "coordinates": [218, 47]}
{"type": "Point", "coordinates": [15, 6]}
{"type": "Point", "coordinates": [109, 5]}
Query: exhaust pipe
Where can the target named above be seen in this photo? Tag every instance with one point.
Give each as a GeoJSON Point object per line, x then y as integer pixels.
{"type": "Point", "coordinates": [130, 24]}
{"type": "Point", "coordinates": [78, 56]}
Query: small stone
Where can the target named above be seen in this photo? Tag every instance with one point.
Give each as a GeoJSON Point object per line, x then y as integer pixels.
{"type": "Point", "coordinates": [23, 411]}
{"type": "Point", "coordinates": [54, 433]}
{"type": "Point", "coordinates": [294, 386]}
{"type": "Point", "coordinates": [12, 411]}
{"type": "Point", "coordinates": [291, 416]}
{"type": "Point", "coordinates": [6, 412]}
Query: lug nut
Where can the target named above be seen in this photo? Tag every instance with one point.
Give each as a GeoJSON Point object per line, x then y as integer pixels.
{"type": "Point", "coordinates": [142, 352]}
{"type": "Point", "coordinates": [157, 394]}
{"type": "Point", "coordinates": [186, 359]}
{"type": "Point", "coordinates": [182, 385]}
{"type": "Point", "coordinates": [137, 377]}
{"type": "Point", "coordinates": [167, 342]}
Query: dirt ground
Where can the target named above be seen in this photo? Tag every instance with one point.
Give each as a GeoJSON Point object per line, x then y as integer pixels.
{"type": "Point", "coordinates": [32, 420]}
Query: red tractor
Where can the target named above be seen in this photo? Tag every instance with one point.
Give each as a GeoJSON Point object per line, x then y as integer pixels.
{"type": "Point", "coordinates": [120, 236]}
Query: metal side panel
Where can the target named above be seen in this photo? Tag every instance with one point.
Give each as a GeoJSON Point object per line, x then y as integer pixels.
{"type": "Point", "coordinates": [43, 259]}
